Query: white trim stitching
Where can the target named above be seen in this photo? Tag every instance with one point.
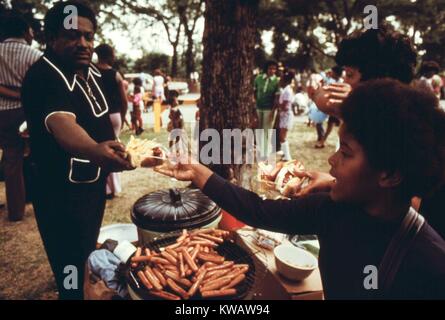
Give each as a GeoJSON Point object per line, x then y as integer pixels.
{"type": "Point", "coordinates": [52, 113]}
{"type": "Point", "coordinates": [70, 176]}
{"type": "Point", "coordinates": [92, 70]}
{"type": "Point", "coordinates": [97, 115]}
{"type": "Point", "coordinates": [70, 87]}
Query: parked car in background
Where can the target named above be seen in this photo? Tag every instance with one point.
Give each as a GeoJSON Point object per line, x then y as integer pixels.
{"type": "Point", "coordinates": [180, 87]}
{"type": "Point", "coordinates": [147, 80]}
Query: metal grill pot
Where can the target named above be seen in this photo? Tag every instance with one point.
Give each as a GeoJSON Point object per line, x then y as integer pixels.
{"type": "Point", "coordinates": [171, 210]}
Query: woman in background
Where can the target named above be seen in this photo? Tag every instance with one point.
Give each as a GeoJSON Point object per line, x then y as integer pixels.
{"type": "Point", "coordinates": [158, 85]}
{"type": "Point", "coordinates": [115, 92]}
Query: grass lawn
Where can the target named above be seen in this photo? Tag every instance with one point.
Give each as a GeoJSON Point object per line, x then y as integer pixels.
{"type": "Point", "coordinates": [24, 270]}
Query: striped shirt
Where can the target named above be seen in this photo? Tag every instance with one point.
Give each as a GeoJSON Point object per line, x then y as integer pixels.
{"type": "Point", "coordinates": [16, 56]}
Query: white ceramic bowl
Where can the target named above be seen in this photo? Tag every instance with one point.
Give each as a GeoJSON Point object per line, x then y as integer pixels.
{"type": "Point", "coordinates": [294, 263]}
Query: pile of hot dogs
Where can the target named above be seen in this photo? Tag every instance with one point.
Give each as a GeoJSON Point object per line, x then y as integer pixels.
{"type": "Point", "coordinates": [190, 267]}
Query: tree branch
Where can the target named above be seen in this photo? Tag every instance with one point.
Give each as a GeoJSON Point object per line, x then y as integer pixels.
{"type": "Point", "coordinates": [154, 13]}
{"type": "Point", "coordinates": [317, 48]}
{"type": "Point", "coordinates": [149, 10]}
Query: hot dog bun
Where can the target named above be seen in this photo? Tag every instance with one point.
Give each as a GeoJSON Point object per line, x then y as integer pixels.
{"type": "Point", "coordinates": [144, 153]}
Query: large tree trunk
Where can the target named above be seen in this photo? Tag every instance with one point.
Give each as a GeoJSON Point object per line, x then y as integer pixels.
{"type": "Point", "coordinates": [228, 62]}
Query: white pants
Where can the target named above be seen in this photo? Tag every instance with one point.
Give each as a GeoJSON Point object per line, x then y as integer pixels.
{"type": "Point", "coordinates": [266, 123]}
{"type": "Point", "coordinates": [159, 93]}
{"type": "Point", "coordinates": [114, 179]}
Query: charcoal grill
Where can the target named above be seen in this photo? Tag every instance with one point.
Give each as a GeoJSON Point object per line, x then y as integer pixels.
{"type": "Point", "coordinates": [228, 249]}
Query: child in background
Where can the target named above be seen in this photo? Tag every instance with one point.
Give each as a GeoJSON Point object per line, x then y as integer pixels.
{"type": "Point", "coordinates": [315, 115]}
{"type": "Point", "coordinates": [286, 112]}
{"type": "Point", "coordinates": [136, 114]}
{"type": "Point", "coordinates": [158, 86]}
{"type": "Point", "coordinates": [176, 119]}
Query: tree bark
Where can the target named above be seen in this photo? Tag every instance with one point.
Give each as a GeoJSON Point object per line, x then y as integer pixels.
{"type": "Point", "coordinates": [189, 58]}
{"type": "Point", "coordinates": [174, 68]}
{"type": "Point", "coordinates": [227, 99]}
{"type": "Point", "coordinates": [175, 43]}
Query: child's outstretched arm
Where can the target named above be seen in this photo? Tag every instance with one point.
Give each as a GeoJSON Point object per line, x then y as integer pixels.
{"type": "Point", "coordinates": [304, 215]}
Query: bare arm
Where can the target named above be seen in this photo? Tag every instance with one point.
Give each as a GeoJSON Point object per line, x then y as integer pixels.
{"type": "Point", "coordinates": [75, 140]}
{"type": "Point", "coordinates": [304, 215]}
{"type": "Point", "coordinates": [123, 95]}
{"type": "Point", "coordinates": [9, 93]}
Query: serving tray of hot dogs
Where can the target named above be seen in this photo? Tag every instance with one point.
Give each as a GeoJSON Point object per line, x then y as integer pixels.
{"type": "Point", "coordinates": [197, 264]}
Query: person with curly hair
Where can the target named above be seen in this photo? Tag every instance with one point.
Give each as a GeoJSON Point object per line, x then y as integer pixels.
{"type": "Point", "coordinates": [366, 55]}
{"type": "Point", "coordinates": [369, 55]}
{"type": "Point", "coordinates": [366, 219]}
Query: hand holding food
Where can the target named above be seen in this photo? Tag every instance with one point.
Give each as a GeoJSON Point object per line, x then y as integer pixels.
{"type": "Point", "coordinates": [144, 153]}
{"type": "Point", "coordinates": [109, 155]}
{"type": "Point", "coordinates": [319, 182]}
{"type": "Point", "coordinates": [288, 178]}
{"type": "Point", "coordinates": [329, 98]}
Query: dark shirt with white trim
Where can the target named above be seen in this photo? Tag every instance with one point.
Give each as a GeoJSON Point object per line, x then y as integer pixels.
{"type": "Point", "coordinates": [49, 88]}
{"type": "Point", "coordinates": [69, 193]}
{"type": "Point", "coordinates": [349, 239]}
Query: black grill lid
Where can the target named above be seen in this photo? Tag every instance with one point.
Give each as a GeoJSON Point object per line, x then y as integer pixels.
{"type": "Point", "coordinates": [174, 209]}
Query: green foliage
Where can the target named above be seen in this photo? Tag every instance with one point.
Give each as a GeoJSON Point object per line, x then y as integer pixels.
{"type": "Point", "coordinates": [122, 64]}
{"type": "Point", "coordinates": [296, 25]}
{"type": "Point", "coordinates": [151, 61]}
{"type": "Point", "coordinates": [298, 20]}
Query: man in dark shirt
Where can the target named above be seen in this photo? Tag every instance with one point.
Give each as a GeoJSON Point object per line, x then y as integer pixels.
{"type": "Point", "coordinates": [72, 143]}
{"type": "Point", "coordinates": [377, 170]}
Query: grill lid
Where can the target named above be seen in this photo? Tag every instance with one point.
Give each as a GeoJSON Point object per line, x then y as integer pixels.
{"type": "Point", "coordinates": [174, 209]}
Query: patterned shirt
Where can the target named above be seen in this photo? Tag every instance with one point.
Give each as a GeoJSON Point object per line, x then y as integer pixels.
{"type": "Point", "coordinates": [16, 56]}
